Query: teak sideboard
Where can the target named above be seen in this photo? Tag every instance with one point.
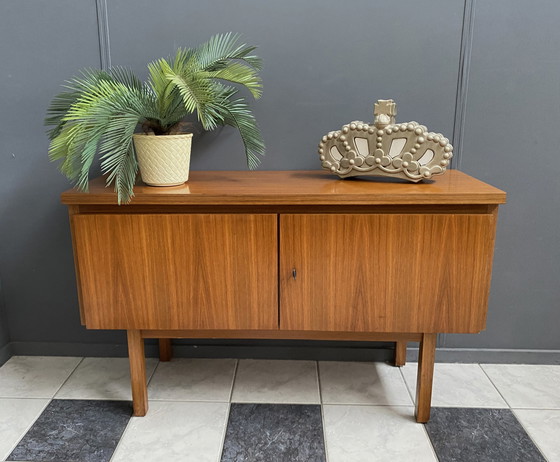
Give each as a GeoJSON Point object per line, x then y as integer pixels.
{"type": "Point", "coordinates": [286, 255]}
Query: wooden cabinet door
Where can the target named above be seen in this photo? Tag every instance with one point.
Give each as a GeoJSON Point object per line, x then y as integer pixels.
{"type": "Point", "coordinates": [175, 271]}
{"type": "Point", "coordinates": [385, 272]}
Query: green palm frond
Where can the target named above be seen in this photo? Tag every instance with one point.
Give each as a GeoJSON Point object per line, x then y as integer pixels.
{"type": "Point", "coordinates": [194, 74]}
{"type": "Point", "coordinates": [63, 101]}
{"type": "Point", "coordinates": [57, 110]}
{"type": "Point", "coordinates": [236, 72]}
{"type": "Point", "coordinates": [100, 110]}
{"type": "Point", "coordinates": [222, 48]}
{"type": "Point", "coordinates": [195, 91]}
{"type": "Point", "coordinates": [126, 77]}
{"type": "Point", "coordinates": [167, 96]}
{"type": "Point", "coordinates": [236, 113]}
{"type": "Point", "coordinates": [103, 117]}
{"type": "Point", "coordinates": [117, 155]}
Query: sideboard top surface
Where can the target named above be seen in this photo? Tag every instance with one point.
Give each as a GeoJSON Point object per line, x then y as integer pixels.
{"type": "Point", "coordinates": [297, 188]}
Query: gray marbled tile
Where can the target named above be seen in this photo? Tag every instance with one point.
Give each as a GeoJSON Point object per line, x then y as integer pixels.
{"type": "Point", "coordinates": [75, 431]}
{"type": "Point", "coordinates": [482, 435]}
{"type": "Point", "coordinates": [274, 432]}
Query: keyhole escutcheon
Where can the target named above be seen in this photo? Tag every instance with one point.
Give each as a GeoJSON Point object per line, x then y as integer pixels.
{"type": "Point", "coordinates": [294, 273]}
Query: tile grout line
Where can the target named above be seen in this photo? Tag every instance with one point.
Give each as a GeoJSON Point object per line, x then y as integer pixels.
{"type": "Point", "coordinates": [49, 400]}
{"type": "Point", "coordinates": [179, 400]}
{"type": "Point", "coordinates": [317, 369]}
{"type": "Point", "coordinates": [458, 406]}
{"type": "Point", "coordinates": [68, 378]}
{"type": "Point", "coordinates": [528, 434]}
{"type": "Point", "coordinates": [321, 403]}
{"type": "Point", "coordinates": [434, 452]}
{"type": "Point", "coordinates": [150, 377]}
{"type": "Point", "coordinates": [236, 368]}
{"type": "Point", "coordinates": [368, 405]}
{"type": "Point", "coordinates": [121, 438]}
{"type": "Point", "coordinates": [130, 419]}
{"type": "Point", "coordinates": [224, 432]}
{"type": "Point", "coordinates": [535, 408]}
{"type": "Point", "coordinates": [406, 386]}
{"type": "Point", "coordinates": [424, 429]}
{"type": "Point", "coordinates": [512, 411]}
{"type": "Point", "coordinates": [494, 385]}
{"type": "Point", "coordinates": [29, 426]}
{"type": "Point", "coordinates": [323, 423]}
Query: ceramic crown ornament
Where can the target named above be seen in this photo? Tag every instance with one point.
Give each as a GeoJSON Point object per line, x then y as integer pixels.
{"type": "Point", "coordinates": [385, 148]}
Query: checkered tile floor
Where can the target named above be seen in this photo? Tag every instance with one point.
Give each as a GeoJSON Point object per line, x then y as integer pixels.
{"type": "Point", "coordinates": [78, 409]}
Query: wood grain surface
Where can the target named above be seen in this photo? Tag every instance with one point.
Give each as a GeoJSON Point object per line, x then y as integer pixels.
{"type": "Point", "coordinates": [298, 188]}
{"type": "Point", "coordinates": [287, 255]}
{"type": "Point", "coordinates": [137, 362]}
{"type": "Point", "coordinates": [178, 271]}
{"type": "Point", "coordinates": [400, 353]}
{"type": "Point", "coordinates": [425, 377]}
{"type": "Point", "coordinates": [165, 349]}
{"type": "Point", "coordinates": [280, 334]}
{"type": "Point", "coordinates": [72, 210]}
{"type": "Point", "coordinates": [385, 273]}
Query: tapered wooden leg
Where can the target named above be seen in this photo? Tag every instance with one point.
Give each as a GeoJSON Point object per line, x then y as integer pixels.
{"type": "Point", "coordinates": [400, 353]}
{"type": "Point", "coordinates": [165, 349]}
{"type": "Point", "coordinates": [137, 373]}
{"type": "Point", "coordinates": [425, 377]}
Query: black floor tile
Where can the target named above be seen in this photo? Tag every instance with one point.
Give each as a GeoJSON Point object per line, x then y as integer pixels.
{"type": "Point", "coordinates": [481, 435]}
{"type": "Point", "coordinates": [274, 432]}
{"type": "Point", "coordinates": [75, 431]}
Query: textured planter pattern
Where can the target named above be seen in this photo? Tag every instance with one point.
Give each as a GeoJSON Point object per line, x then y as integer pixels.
{"type": "Point", "coordinates": [163, 160]}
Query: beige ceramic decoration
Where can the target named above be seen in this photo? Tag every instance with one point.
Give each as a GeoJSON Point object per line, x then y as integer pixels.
{"type": "Point", "coordinates": [385, 148]}
{"type": "Point", "coordinates": [163, 160]}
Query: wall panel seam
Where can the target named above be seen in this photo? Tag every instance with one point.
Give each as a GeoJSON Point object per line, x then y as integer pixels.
{"type": "Point", "coordinates": [461, 96]}
{"type": "Point", "coordinates": [463, 81]}
{"type": "Point", "coordinates": [103, 33]}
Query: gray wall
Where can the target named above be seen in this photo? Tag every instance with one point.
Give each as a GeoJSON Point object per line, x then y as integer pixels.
{"type": "Point", "coordinates": [325, 64]}
{"type": "Point", "coordinates": [513, 94]}
{"type": "Point", "coordinates": [42, 44]}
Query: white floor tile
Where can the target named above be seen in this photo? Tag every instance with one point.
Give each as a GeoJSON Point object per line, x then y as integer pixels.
{"type": "Point", "coordinates": [193, 380]}
{"type": "Point", "coordinates": [16, 417]}
{"type": "Point", "coordinates": [527, 386]}
{"type": "Point", "coordinates": [268, 381]}
{"type": "Point", "coordinates": [543, 426]}
{"type": "Point", "coordinates": [175, 431]}
{"type": "Point", "coordinates": [362, 383]}
{"type": "Point", "coordinates": [102, 378]}
{"type": "Point", "coordinates": [380, 433]}
{"type": "Point", "coordinates": [35, 376]}
{"type": "Point", "coordinates": [457, 385]}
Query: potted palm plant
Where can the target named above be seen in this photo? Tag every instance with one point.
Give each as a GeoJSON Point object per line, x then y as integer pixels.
{"type": "Point", "coordinates": [100, 112]}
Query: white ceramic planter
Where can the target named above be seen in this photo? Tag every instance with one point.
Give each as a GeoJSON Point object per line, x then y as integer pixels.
{"type": "Point", "coordinates": [163, 160]}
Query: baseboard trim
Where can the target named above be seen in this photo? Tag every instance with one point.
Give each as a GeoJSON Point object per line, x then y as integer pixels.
{"type": "Point", "coordinates": [491, 356]}
{"type": "Point", "coordinates": [5, 353]}
{"type": "Point", "coordinates": [304, 352]}
{"type": "Point", "coordinates": [318, 353]}
{"type": "Point", "coordinates": [101, 350]}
